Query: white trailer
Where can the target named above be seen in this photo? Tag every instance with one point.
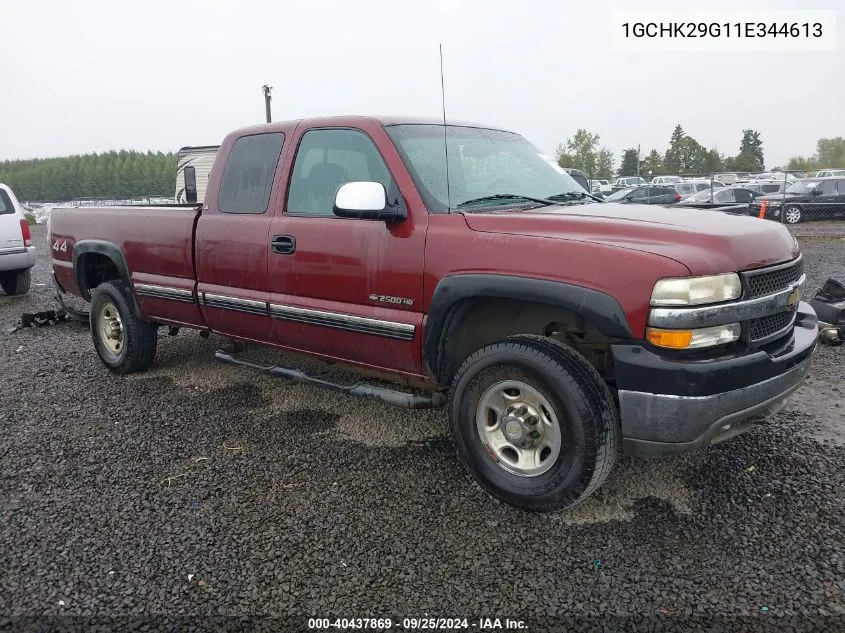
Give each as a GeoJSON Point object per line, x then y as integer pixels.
{"type": "Point", "coordinates": [192, 171]}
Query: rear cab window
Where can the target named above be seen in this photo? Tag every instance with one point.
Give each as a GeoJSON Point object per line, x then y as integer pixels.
{"type": "Point", "coordinates": [248, 176]}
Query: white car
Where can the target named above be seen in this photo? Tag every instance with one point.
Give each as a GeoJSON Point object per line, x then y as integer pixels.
{"type": "Point", "coordinates": [601, 186]}
{"type": "Point", "coordinates": [17, 254]}
{"type": "Point", "coordinates": [627, 182]}
{"type": "Point", "coordinates": [829, 173]}
{"type": "Point", "coordinates": [693, 186]}
{"type": "Point", "coordinates": [776, 175]}
{"type": "Point", "coordinates": [665, 180]}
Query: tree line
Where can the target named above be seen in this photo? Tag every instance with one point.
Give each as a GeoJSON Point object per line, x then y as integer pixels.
{"type": "Point", "coordinates": [113, 174]}
{"type": "Point", "coordinates": [830, 152]}
{"type": "Point", "coordinates": [686, 156]}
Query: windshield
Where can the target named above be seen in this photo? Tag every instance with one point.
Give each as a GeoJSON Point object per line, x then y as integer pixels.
{"type": "Point", "coordinates": [802, 186]}
{"type": "Point", "coordinates": [482, 163]}
{"type": "Point", "coordinates": [618, 195]}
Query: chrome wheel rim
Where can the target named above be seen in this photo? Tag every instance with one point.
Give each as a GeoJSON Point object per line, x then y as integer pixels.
{"type": "Point", "coordinates": [111, 328]}
{"type": "Point", "coordinates": [518, 427]}
{"type": "Point", "coordinates": [793, 214]}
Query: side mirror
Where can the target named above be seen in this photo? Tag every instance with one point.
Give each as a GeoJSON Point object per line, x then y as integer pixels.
{"type": "Point", "coordinates": [366, 201]}
{"type": "Point", "coordinates": [190, 184]}
{"type": "Point", "coordinates": [817, 191]}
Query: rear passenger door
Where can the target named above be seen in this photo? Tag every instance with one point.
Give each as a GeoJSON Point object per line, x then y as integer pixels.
{"type": "Point", "coordinates": [232, 242]}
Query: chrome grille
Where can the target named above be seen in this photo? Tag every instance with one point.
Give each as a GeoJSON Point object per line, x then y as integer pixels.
{"type": "Point", "coordinates": [770, 280]}
{"type": "Point", "coordinates": [766, 327]}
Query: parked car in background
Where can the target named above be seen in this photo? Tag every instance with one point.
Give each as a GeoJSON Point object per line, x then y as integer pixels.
{"type": "Point", "coordinates": [626, 182]}
{"type": "Point", "coordinates": [648, 194]}
{"type": "Point", "coordinates": [827, 173]}
{"type": "Point", "coordinates": [726, 178]}
{"type": "Point", "coordinates": [690, 187]}
{"type": "Point", "coordinates": [665, 180]}
{"type": "Point", "coordinates": [17, 254]}
{"type": "Point", "coordinates": [767, 186]}
{"type": "Point", "coordinates": [715, 198]}
{"type": "Point", "coordinates": [601, 186]}
{"type": "Point", "coordinates": [776, 175]}
{"type": "Point", "coordinates": [809, 199]}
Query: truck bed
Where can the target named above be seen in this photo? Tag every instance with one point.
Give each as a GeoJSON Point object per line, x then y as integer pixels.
{"type": "Point", "coordinates": [157, 242]}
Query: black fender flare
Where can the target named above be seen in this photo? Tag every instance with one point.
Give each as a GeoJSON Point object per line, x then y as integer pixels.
{"type": "Point", "coordinates": [110, 250]}
{"type": "Point", "coordinates": [601, 309]}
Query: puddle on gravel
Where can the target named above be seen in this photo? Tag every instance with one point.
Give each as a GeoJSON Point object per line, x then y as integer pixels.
{"type": "Point", "coordinates": [311, 420]}
{"type": "Point", "coordinates": [630, 482]}
{"type": "Point", "coordinates": [374, 424]}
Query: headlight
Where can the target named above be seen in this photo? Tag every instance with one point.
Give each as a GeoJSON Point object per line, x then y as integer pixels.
{"type": "Point", "coordinates": [693, 339]}
{"type": "Point", "coordinates": [689, 291]}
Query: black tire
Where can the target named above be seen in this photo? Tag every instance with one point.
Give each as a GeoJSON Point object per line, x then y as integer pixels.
{"type": "Point", "coordinates": [797, 218]}
{"type": "Point", "coordinates": [16, 282]}
{"type": "Point", "coordinates": [137, 346]}
{"type": "Point", "coordinates": [588, 421]}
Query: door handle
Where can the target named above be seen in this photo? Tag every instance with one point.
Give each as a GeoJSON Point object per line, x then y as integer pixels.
{"type": "Point", "coordinates": [283, 244]}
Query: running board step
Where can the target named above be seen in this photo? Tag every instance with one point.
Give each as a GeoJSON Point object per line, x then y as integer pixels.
{"type": "Point", "coordinates": [408, 400]}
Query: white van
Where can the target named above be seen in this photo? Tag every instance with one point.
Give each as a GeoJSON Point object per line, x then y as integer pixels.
{"type": "Point", "coordinates": [17, 254]}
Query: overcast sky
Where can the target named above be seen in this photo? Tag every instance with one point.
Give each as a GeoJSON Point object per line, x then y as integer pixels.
{"type": "Point", "coordinates": [87, 75]}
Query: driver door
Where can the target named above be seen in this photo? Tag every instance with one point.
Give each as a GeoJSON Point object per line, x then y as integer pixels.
{"type": "Point", "coordinates": [346, 288]}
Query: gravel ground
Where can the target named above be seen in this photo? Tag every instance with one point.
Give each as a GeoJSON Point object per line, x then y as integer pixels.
{"type": "Point", "coordinates": [198, 489]}
{"type": "Point", "coordinates": [828, 227]}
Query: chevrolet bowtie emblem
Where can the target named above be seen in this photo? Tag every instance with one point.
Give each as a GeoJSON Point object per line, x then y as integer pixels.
{"type": "Point", "coordinates": [794, 296]}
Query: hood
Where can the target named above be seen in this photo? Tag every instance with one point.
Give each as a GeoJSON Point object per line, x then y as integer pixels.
{"type": "Point", "coordinates": [706, 242]}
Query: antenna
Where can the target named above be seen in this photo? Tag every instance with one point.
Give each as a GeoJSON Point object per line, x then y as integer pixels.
{"type": "Point", "coordinates": [445, 145]}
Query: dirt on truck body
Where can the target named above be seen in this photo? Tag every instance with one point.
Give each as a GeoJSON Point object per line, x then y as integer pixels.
{"type": "Point", "coordinates": [558, 330]}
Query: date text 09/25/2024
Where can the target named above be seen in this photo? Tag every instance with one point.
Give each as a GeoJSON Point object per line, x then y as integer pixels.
{"type": "Point", "coordinates": [417, 624]}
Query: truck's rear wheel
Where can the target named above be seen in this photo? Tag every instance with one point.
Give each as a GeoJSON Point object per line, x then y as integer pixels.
{"type": "Point", "coordinates": [16, 282]}
{"type": "Point", "coordinates": [125, 343]}
{"type": "Point", "coordinates": [533, 423]}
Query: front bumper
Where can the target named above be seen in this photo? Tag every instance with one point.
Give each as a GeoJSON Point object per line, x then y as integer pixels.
{"type": "Point", "coordinates": [19, 259]}
{"type": "Point", "coordinates": [701, 402]}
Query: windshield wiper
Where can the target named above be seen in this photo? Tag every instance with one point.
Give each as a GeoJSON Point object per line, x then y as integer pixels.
{"type": "Point", "coordinates": [569, 195]}
{"type": "Point", "coordinates": [505, 196]}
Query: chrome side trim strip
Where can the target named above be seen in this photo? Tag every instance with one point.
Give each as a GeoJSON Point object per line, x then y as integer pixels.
{"type": "Point", "coordinates": [727, 312]}
{"type": "Point", "coordinates": [165, 292]}
{"type": "Point", "coordinates": [224, 302]}
{"type": "Point", "coordinates": [390, 329]}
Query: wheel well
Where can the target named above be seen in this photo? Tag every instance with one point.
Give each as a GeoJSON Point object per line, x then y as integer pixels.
{"type": "Point", "coordinates": [94, 269]}
{"type": "Point", "coordinates": [474, 323]}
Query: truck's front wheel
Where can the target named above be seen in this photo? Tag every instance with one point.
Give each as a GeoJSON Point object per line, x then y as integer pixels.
{"type": "Point", "coordinates": [533, 423]}
{"type": "Point", "coordinates": [124, 342]}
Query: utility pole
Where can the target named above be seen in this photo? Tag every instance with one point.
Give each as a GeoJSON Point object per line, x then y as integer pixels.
{"type": "Point", "coordinates": [267, 98]}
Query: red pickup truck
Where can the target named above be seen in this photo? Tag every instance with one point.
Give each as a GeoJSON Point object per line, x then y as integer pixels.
{"type": "Point", "coordinates": [558, 330]}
